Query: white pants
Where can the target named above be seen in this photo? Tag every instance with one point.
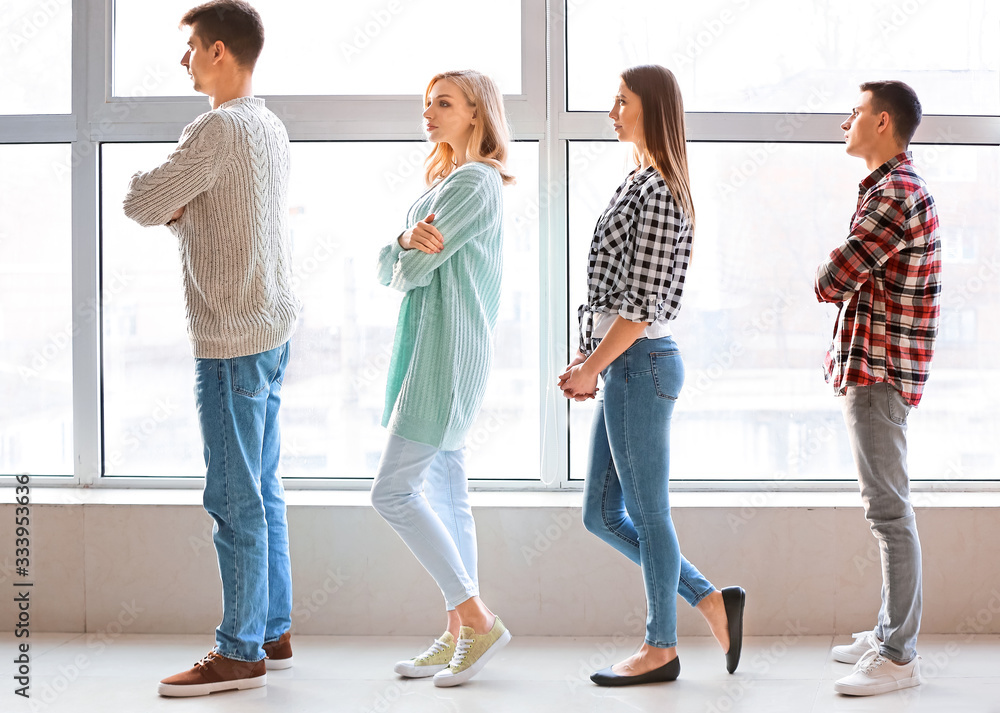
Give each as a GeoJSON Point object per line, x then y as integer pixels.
{"type": "Point", "coordinates": [422, 492]}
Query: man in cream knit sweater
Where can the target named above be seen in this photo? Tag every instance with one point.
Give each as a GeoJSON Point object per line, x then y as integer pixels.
{"type": "Point", "coordinates": [223, 192]}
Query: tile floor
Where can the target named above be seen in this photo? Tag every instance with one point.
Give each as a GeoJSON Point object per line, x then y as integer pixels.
{"type": "Point", "coordinates": [80, 673]}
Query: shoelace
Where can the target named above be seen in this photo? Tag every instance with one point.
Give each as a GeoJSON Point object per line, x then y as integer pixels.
{"type": "Point", "coordinates": [870, 661]}
{"type": "Point", "coordinates": [436, 647]}
{"type": "Point", "coordinates": [207, 659]}
{"type": "Point", "coordinates": [460, 651]}
{"type": "Point", "coordinates": [869, 635]}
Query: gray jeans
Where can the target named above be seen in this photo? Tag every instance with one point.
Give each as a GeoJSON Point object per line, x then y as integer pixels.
{"type": "Point", "coordinates": [876, 425]}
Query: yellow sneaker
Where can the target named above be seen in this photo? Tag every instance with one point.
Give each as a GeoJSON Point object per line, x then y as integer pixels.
{"type": "Point", "coordinates": [431, 661]}
{"type": "Point", "coordinates": [471, 653]}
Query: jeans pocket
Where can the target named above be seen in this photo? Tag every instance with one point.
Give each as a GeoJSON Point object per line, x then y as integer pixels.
{"type": "Point", "coordinates": [254, 373]}
{"type": "Point", "coordinates": [898, 408]}
{"type": "Point", "coordinates": [668, 373]}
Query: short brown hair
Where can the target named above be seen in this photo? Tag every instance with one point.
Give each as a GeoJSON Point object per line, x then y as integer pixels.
{"type": "Point", "coordinates": [233, 22]}
{"type": "Point", "coordinates": [900, 102]}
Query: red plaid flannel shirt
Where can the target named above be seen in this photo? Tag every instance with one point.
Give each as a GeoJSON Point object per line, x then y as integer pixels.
{"type": "Point", "coordinates": [887, 279]}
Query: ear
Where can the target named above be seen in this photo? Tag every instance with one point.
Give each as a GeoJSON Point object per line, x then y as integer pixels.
{"type": "Point", "coordinates": [218, 51]}
{"type": "Point", "coordinates": [884, 121]}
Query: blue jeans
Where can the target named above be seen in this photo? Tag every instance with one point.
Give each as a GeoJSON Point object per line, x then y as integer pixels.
{"type": "Point", "coordinates": [423, 494]}
{"type": "Point", "coordinates": [238, 402]}
{"type": "Point", "coordinates": [626, 499]}
{"type": "Point", "coordinates": [876, 427]}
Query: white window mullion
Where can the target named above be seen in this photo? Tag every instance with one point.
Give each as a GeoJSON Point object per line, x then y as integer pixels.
{"type": "Point", "coordinates": [89, 39]}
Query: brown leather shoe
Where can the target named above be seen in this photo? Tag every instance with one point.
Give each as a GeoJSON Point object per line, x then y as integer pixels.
{"type": "Point", "coordinates": [215, 673]}
{"type": "Point", "coordinates": [279, 653]}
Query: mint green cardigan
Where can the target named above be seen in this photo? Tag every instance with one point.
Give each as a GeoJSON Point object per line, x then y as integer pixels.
{"type": "Point", "coordinates": [443, 349]}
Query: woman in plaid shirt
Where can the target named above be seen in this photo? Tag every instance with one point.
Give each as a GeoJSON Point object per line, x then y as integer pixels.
{"type": "Point", "coordinates": [635, 277]}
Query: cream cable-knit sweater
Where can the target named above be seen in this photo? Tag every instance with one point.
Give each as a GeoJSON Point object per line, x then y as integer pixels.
{"type": "Point", "coordinates": [230, 170]}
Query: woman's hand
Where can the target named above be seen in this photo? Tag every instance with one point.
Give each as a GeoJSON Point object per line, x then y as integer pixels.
{"type": "Point", "coordinates": [578, 382]}
{"type": "Point", "coordinates": [423, 237]}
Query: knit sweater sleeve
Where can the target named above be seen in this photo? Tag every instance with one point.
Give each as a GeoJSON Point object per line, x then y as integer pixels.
{"type": "Point", "coordinates": [153, 196]}
{"type": "Point", "coordinates": [465, 209]}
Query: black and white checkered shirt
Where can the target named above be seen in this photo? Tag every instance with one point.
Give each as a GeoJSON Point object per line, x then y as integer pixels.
{"type": "Point", "coordinates": [638, 257]}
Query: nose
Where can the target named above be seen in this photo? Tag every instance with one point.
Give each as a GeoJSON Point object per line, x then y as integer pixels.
{"type": "Point", "coordinates": [186, 59]}
{"type": "Point", "coordinates": [614, 111]}
{"type": "Point", "coordinates": [846, 125]}
{"type": "Point", "coordinates": [427, 113]}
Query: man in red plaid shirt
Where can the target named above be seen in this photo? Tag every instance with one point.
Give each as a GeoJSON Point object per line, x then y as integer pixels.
{"type": "Point", "coordinates": [886, 279]}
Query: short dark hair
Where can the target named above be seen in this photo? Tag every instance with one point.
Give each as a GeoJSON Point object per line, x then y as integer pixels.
{"type": "Point", "coordinates": [233, 22]}
{"type": "Point", "coordinates": [900, 102]}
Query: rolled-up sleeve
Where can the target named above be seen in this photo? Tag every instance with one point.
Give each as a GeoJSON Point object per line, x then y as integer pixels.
{"type": "Point", "coordinates": [877, 235]}
{"type": "Point", "coordinates": [656, 260]}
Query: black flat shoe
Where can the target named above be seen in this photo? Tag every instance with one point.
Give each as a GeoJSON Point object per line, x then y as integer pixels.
{"type": "Point", "coordinates": [735, 600]}
{"type": "Point", "coordinates": [667, 672]}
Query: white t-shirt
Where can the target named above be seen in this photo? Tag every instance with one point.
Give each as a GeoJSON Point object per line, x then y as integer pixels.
{"type": "Point", "coordinates": [604, 320]}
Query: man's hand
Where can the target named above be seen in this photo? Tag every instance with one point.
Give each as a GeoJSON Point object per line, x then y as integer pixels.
{"type": "Point", "coordinates": [423, 237]}
{"type": "Point", "coordinates": [177, 215]}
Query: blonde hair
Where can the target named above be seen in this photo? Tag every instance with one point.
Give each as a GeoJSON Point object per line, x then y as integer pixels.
{"type": "Point", "coordinates": [490, 134]}
{"type": "Point", "coordinates": [663, 128]}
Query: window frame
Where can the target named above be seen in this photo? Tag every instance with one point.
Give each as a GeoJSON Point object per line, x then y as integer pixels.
{"type": "Point", "coordinates": [539, 113]}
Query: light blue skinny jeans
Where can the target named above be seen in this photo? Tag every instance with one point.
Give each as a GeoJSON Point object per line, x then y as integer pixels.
{"type": "Point", "coordinates": [626, 497]}
{"type": "Point", "coordinates": [422, 492]}
{"type": "Point", "coordinates": [238, 401]}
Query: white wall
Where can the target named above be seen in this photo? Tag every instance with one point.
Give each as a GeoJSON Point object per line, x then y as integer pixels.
{"type": "Point", "coordinates": [151, 566]}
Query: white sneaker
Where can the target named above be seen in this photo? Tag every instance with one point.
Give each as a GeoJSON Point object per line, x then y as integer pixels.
{"type": "Point", "coordinates": [851, 653]}
{"type": "Point", "coordinates": [876, 674]}
{"type": "Point", "coordinates": [434, 659]}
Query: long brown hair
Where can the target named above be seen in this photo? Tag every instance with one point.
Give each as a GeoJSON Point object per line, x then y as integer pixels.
{"type": "Point", "coordinates": [490, 134]}
{"type": "Point", "coordinates": [663, 128]}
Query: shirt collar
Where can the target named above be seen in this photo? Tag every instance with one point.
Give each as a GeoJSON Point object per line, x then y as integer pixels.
{"type": "Point", "coordinates": [879, 173]}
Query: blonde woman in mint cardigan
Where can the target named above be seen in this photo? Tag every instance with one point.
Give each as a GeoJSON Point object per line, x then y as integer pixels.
{"type": "Point", "coordinates": [448, 262]}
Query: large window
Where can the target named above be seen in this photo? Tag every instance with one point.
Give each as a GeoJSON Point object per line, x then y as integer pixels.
{"type": "Point", "coordinates": [97, 372]}
{"type": "Point", "coordinates": [790, 55]}
{"type": "Point", "coordinates": [36, 315]}
{"type": "Point", "coordinates": [35, 56]}
{"type": "Point", "coordinates": [754, 405]}
{"type": "Point", "coordinates": [371, 47]}
{"type": "Point", "coordinates": [334, 389]}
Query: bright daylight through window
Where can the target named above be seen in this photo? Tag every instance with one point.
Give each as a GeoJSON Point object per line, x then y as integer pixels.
{"type": "Point", "coordinates": [96, 371]}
